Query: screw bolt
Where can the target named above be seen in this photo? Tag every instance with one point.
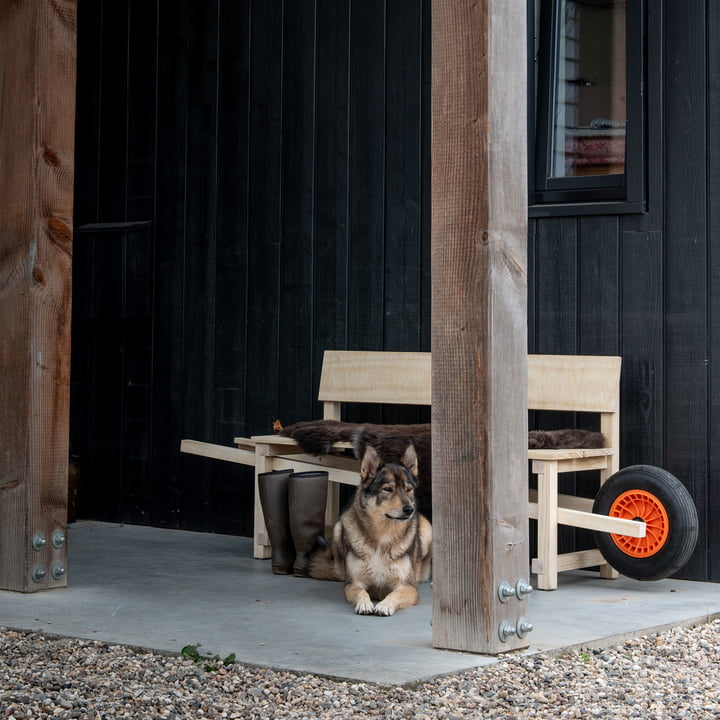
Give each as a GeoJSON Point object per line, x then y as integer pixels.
{"type": "Point", "coordinates": [523, 589]}
{"type": "Point", "coordinates": [505, 591]}
{"type": "Point", "coordinates": [523, 627]}
{"type": "Point", "coordinates": [38, 542]}
{"type": "Point", "coordinates": [58, 539]}
{"type": "Point", "coordinates": [58, 571]}
{"type": "Point", "coordinates": [38, 573]}
{"type": "Point", "coordinates": [505, 631]}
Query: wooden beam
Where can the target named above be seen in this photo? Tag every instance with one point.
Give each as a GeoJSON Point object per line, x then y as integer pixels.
{"type": "Point", "coordinates": [479, 321]}
{"type": "Point", "coordinates": [37, 97]}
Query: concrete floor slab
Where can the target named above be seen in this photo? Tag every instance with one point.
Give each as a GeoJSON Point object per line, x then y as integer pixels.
{"type": "Point", "coordinates": [164, 589]}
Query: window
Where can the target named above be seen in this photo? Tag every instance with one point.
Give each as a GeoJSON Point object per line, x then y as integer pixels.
{"type": "Point", "coordinates": [588, 99]}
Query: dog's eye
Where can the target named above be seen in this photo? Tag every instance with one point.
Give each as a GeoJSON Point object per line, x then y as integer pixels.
{"type": "Point", "coordinates": [386, 488]}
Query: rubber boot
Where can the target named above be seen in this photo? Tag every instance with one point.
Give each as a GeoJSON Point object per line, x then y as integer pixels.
{"type": "Point", "coordinates": [307, 500]}
{"type": "Point", "coordinates": [273, 490]}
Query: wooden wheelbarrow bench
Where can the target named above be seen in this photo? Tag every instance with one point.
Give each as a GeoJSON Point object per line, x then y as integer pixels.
{"type": "Point", "coordinates": [587, 384]}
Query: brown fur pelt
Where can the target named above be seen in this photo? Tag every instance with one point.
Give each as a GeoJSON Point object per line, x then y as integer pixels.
{"type": "Point", "coordinates": [317, 436]}
{"type": "Point", "coordinates": [562, 439]}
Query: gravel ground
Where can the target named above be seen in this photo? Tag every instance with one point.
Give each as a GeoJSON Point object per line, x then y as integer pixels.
{"type": "Point", "coordinates": [671, 675]}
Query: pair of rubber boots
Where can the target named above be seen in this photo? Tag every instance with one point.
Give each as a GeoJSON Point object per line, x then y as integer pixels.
{"type": "Point", "coordinates": [294, 508]}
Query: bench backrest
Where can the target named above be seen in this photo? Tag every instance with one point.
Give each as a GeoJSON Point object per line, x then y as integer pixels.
{"type": "Point", "coordinates": [577, 383]}
{"type": "Point", "coordinates": [392, 378]}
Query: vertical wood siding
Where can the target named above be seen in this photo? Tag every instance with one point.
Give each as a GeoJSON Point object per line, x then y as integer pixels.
{"type": "Point", "coordinates": [281, 151]}
{"type": "Point", "coordinates": [646, 286]}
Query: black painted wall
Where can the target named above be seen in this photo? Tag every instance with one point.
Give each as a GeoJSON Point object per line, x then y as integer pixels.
{"type": "Point", "coordinates": [280, 151]}
{"type": "Point", "coordinates": [647, 286]}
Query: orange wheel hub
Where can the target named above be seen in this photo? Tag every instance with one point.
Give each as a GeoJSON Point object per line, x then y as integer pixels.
{"type": "Point", "coordinates": [641, 505]}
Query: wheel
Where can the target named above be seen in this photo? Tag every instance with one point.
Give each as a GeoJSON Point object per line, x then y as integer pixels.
{"type": "Point", "coordinates": [655, 496]}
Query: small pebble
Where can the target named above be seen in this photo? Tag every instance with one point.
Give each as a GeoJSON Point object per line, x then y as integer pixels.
{"type": "Point", "coordinates": [675, 674]}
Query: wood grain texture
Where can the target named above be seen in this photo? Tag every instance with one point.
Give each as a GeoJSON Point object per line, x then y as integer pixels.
{"type": "Point", "coordinates": [37, 96]}
{"type": "Point", "coordinates": [479, 231]}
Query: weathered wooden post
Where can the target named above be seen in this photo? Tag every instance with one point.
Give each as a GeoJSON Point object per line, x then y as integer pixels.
{"type": "Point", "coordinates": [37, 124]}
{"type": "Point", "coordinates": [479, 321]}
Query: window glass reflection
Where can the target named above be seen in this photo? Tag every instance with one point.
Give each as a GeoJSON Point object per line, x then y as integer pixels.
{"type": "Point", "coordinates": [590, 112]}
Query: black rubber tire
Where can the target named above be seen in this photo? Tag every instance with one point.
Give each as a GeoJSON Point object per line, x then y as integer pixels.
{"type": "Point", "coordinates": [682, 522]}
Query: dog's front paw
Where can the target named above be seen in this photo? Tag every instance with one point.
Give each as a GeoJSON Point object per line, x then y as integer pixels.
{"type": "Point", "coordinates": [364, 607]}
{"type": "Point", "coordinates": [384, 609]}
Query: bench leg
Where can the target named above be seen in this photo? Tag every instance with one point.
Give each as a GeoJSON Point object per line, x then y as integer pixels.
{"type": "Point", "coordinates": [546, 563]}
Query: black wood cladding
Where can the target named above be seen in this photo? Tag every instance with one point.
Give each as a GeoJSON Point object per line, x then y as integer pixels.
{"type": "Point", "coordinates": [281, 151]}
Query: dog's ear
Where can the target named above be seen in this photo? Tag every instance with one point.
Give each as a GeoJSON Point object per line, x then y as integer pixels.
{"type": "Point", "coordinates": [410, 460]}
{"type": "Point", "coordinates": [370, 464]}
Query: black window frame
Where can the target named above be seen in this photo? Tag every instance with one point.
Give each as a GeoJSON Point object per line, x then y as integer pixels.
{"type": "Point", "coordinates": [594, 194]}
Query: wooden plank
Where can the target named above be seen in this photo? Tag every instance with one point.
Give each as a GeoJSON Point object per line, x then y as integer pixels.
{"type": "Point", "coordinates": [403, 128]}
{"type": "Point", "coordinates": [556, 285]}
{"type": "Point", "coordinates": [579, 559]}
{"type": "Point", "coordinates": [376, 377]}
{"type": "Point", "coordinates": [547, 527]}
{"type": "Point", "coordinates": [567, 501]}
{"type": "Point", "coordinates": [599, 285]}
{"type": "Point", "coordinates": [712, 501]}
{"type": "Point", "coordinates": [366, 252]}
{"type": "Point", "coordinates": [196, 483]}
{"type": "Point", "coordinates": [570, 453]}
{"type": "Point", "coordinates": [592, 521]}
{"type": "Point", "coordinates": [233, 490]}
{"type": "Point", "coordinates": [296, 392]}
{"type": "Point", "coordinates": [643, 351]}
{"type": "Point", "coordinates": [113, 136]}
{"type": "Point", "coordinates": [426, 173]}
{"type": "Point", "coordinates": [264, 219]}
{"type": "Point", "coordinates": [169, 263]}
{"type": "Point", "coordinates": [580, 384]}
{"type": "Point", "coordinates": [572, 561]}
{"type": "Point", "coordinates": [687, 324]}
{"type": "Point", "coordinates": [575, 464]}
{"type": "Point", "coordinates": [87, 123]}
{"type": "Point", "coordinates": [331, 210]}
{"type": "Point", "coordinates": [218, 452]}
{"type": "Point", "coordinates": [141, 110]}
{"type": "Point", "coordinates": [37, 96]}
{"type": "Point", "coordinates": [278, 443]}
{"type": "Point", "coordinates": [479, 321]}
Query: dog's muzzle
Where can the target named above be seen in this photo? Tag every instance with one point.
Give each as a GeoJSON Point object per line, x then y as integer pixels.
{"type": "Point", "coordinates": [405, 514]}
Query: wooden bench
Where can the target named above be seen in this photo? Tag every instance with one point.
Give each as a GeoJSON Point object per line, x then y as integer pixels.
{"type": "Point", "coordinates": [588, 384]}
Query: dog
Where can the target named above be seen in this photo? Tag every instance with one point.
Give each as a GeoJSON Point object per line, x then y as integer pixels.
{"type": "Point", "coordinates": [381, 546]}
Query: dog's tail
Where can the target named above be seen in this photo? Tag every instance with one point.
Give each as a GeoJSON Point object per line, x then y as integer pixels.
{"type": "Point", "coordinates": [323, 564]}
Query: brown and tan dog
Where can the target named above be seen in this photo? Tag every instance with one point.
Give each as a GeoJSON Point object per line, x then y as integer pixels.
{"type": "Point", "coordinates": [381, 546]}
